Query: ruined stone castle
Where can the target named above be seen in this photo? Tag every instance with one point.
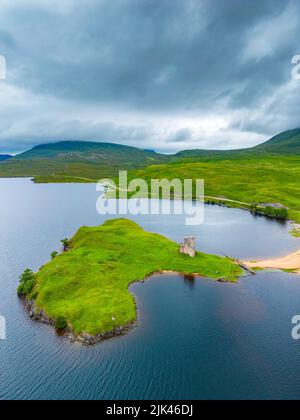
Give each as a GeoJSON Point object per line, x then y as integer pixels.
{"type": "Point", "coordinates": [189, 246]}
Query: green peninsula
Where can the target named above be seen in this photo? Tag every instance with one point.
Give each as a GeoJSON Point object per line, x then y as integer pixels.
{"type": "Point", "coordinates": [86, 287]}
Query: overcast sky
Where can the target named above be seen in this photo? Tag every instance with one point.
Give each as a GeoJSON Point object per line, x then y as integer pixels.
{"type": "Point", "coordinates": [160, 74]}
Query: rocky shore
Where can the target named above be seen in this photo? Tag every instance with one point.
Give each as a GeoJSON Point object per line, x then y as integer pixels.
{"type": "Point", "coordinates": [85, 339]}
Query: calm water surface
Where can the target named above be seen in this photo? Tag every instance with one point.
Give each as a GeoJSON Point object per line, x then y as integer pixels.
{"type": "Point", "coordinates": [196, 339]}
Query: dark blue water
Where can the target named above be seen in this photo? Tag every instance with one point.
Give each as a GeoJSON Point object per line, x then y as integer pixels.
{"type": "Point", "coordinates": [196, 339]}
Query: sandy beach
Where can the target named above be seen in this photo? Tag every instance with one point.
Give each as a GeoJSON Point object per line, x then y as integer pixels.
{"type": "Point", "coordinates": [290, 262]}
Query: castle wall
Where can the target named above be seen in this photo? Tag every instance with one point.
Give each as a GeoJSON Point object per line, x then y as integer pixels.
{"type": "Point", "coordinates": [189, 246]}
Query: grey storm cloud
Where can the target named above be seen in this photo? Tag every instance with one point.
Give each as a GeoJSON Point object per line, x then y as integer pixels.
{"type": "Point", "coordinates": [165, 74]}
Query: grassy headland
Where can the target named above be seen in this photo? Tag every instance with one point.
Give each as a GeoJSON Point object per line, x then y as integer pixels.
{"type": "Point", "coordinates": [87, 286]}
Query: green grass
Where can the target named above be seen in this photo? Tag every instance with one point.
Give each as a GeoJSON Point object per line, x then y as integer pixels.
{"type": "Point", "coordinates": [245, 178]}
{"type": "Point", "coordinates": [290, 271]}
{"type": "Point", "coordinates": [88, 285]}
{"type": "Point", "coordinates": [59, 179]}
{"type": "Point", "coordinates": [248, 179]}
{"type": "Point", "coordinates": [295, 232]}
{"type": "Point", "coordinates": [77, 161]}
{"type": "Point", "coordinates": [269, 173]}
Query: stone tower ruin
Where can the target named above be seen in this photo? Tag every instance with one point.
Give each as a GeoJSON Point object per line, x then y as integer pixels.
{"type": "Point", "coordinates": [189, 246]}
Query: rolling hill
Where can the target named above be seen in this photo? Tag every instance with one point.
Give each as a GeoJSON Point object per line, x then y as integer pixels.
{"type": "Point", "coordinates": [286, 143]}
{"type": "Point", "coordinates": [4, 157]}
{"type": "Point", "coordinates": [268, 173]}
{"type": "Point", "coordinates": [89, 161]}
{"type": "Point", "coordinates": [75, 161]}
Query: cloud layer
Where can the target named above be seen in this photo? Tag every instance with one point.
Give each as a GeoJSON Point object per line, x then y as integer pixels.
{"type": "Point", "coordinates": [160, 74]}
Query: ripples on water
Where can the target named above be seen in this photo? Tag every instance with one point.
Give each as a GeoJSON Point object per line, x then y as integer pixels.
{"type": "Point", "coordinates": [196, 338]}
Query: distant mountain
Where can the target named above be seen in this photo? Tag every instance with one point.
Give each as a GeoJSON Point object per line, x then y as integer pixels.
{"type": "Point", "coordinates": [88, 151]}
{"type": "Point", "coordinates": [78, 159]}
{"type": "Point", "coordinates": [199, 154]}
{"type": "Point", "coordinates": [4, 157]}
{"type": "Point", "coordinates": [87, 161]}
{"type": "Point", "coordinates": [287, 142]}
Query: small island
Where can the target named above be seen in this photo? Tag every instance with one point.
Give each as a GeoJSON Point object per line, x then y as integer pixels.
{"type": "Point", "coordinates": [84, 292]}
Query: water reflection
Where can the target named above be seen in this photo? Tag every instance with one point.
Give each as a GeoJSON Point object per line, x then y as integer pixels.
{"type": "Point", "coordinates": [189, 280]}
{"type": "Point", "coordinates": [220, 341]}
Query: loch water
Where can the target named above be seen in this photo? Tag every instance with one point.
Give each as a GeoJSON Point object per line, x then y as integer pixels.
{"type": "Point", "coordinates": [196, 338]}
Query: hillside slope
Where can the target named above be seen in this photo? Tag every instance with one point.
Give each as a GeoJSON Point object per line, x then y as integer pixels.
{"type": "Point", "coordinates": [270, 179]}
{"type": "Point", "coordinates": [287, 142]}
{"type": "Point", "coordinates": [5, 157]}
{"type": "Point", "coordinates": [268, 173]}
{"type": "Point", "coordinates": [77, 160]}
{"type": "Point", "coordinates": [88, 161]}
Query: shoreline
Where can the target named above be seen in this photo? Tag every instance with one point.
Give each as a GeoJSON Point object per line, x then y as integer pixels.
{"type": "Point", "coordinates": [290, 263]}
{"type": "Point", "coordinates": [37, 315]}
{"type": "Point", "coordinates": [221, 201]}
{"type": "Point", "coordinates": [83, 338]}
{"type": "Point", "coordinates": [109, 316]}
